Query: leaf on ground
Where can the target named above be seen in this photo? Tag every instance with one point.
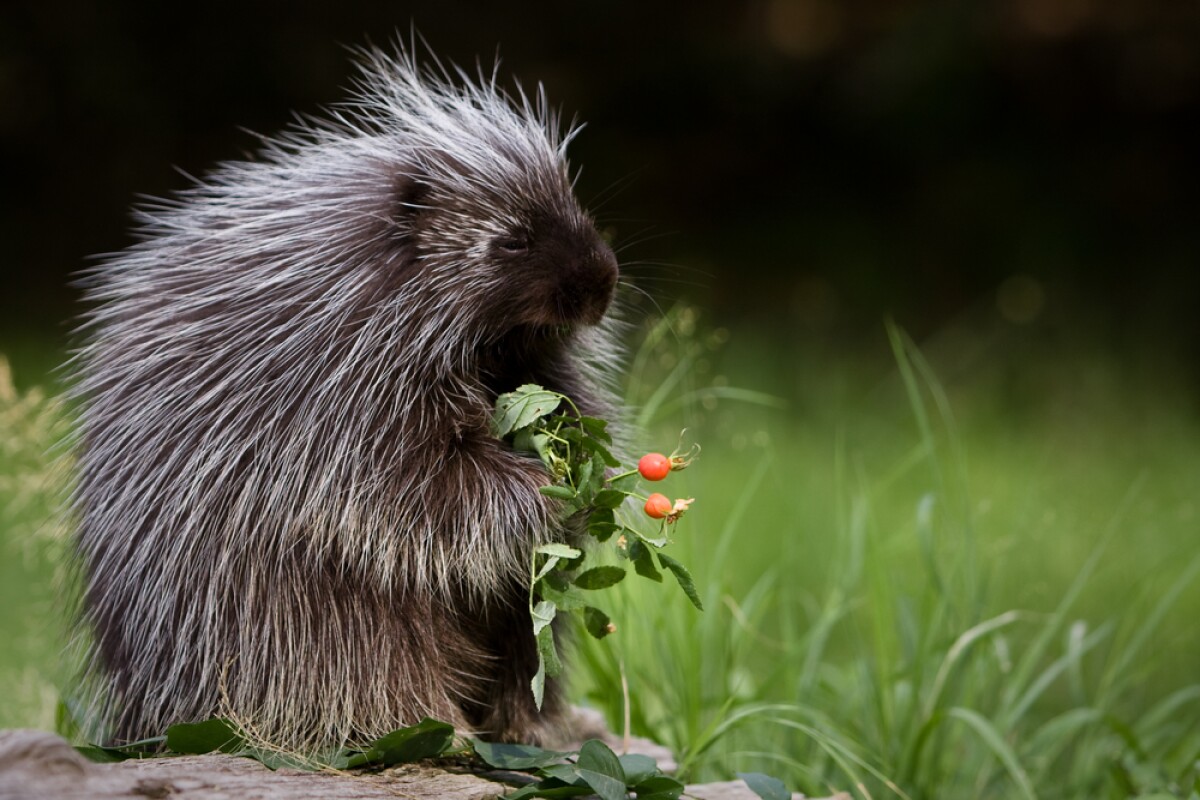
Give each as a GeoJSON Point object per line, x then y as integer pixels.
{"type": "Point", "coordinates": [637, 768]}
{"type": "Point", "coordinates": [104, 755]}
{"type": "Point", "coordinates": [197, 738]}
{"type": "Point", "coordinates": [600, 768]}
{"type": "Point", "coordinates": [426, 739]}
{"type": "Point", "coordinates": [516, 756]}
{"type": "Point", "coordinates": [659, 787]}
{"type": "Point", "coordinates": [765, 786]}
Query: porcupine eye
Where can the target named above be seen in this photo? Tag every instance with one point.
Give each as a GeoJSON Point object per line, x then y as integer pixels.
{"type": "Point", "coordinates": [515, 243]}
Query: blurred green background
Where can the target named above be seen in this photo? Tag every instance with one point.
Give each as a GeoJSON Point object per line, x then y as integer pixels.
{"type": "Point", "coordinates": [1012, 182]}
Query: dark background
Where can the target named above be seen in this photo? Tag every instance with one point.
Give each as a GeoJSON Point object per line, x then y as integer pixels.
{"type": "Point", "coordinates": [804, 166]}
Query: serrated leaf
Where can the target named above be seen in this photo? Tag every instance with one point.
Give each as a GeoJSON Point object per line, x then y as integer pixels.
{"type": "Point", "coordinates": [659, 787]}
{"type": "Point", "coordinates": [602, 524]}
{"type": "Point", "coordinates": [548, 652]}
{"type": "Point", "coordinates": [597, 476]}
{"type": "Point", "coordinates": [558, 549]}
{"type": "Point", "coordinates": [596, 427]}
{"type": "Point", "coordinates": [643, 560]}
{"type": "Point", "coordinates": [627, 483]}
{"type": "Point", "coordinates": [600, 577]}
{"type": "Point", "coordinates": [765, 786]}
{"type": "Point", "coordinates": [558, 492]}
{"type": "Point", "coordinates": [523, 407]}
{"type": "Point", "coordinates": [596, 622]}
{"type": "Point", "coordinates": [516, 756]}
{"type": "Point", "coordinates": [637, 768]}
{"type": "Point", "coordinates": [583, 480]}
{"type": "Point", "coordinates": [546, 568]}
{"type": "Point", "coordinates": [608, 498]}
{"type": "Point", "coordinates": [197, 738]}
{"type": "Point", "coordinates": [567, 597]}
{"type": "Point", "coordinates": [593, 446]}
{"type": "Point", "coordinates": [684, 577]}
{"type": "Point", "coordinates": [537, 684]}
{"type": "Point", "coordinates": [543, 614]}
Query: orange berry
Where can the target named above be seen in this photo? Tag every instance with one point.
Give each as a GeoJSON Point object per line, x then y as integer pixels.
{"type": "Point", "coordinates": [654, 466]}
{"type": "Point", "coordinates": [658, 506]}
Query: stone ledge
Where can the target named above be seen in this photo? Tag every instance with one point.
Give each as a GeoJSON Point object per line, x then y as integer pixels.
{"type": "Point", "coordinates": [36, 765]}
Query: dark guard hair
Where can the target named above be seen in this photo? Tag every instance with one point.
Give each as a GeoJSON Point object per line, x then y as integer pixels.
{"type": "Point", "coordinates": [291, 508]}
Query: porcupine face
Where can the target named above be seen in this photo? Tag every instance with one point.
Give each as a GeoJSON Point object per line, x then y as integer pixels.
{"type": "Point", "coordinates": [535, 255]}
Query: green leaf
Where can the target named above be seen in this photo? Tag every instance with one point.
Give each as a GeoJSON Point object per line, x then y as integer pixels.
{"type": "Point", "coordinates": [600, 577]}
{"type": "Point", "coordinates": [995, 741]}
{"type": "Point", "coordinates": [273, 760]}
{"type": "Point", "coordinates": [684, 577]}
{"type": "Point", "coordinates": [559, 492]}
{"type": "Point", "coordinates": [532, 440]}
{"type": "Point", "coordinates": [567, 598]}
{"type": "Point", "coordinates": [583, 480]}
{"type": "Point", "coordinates": [523, 407]}
{"type": "Point", "coordinates": [608, 498]}
{"type": "Point", "coordinates": [548, 652]}
{"type": "Point", "coordinates": [596, 622]}
{"type": "Point", "coordinates": [427, 739]}
{"type": "Point", "coordinates": [596, 427]}
{"type": "Point", "coordinates": [659, 787]}
{"type": "Point", "coordinates": [516, 756]}
{"type": "Point", "coordinates": [602, 524]}
{"type": "Point", "coordinates": [104, 755]}
{"type": "Point", "coordinates": [593, 446]}
{"type": "Point", "coordinates": [601, 769]}
{"type": "Point", "coordinates": [548, 789]}
{"type": "Point", "coordinates": [196, 738]}
{"type": "Point", "coordinates": [538, 683]}
{"type": "Point", "coordinates": [558, 549]}
{"type": "Point", "coordinates": [637, 768]}
{"type": "Point", "coordinates": [597, 473]}
{"type": "Point", "coordinates": [543, 614]}
{"type": "Point", "coordinates": [765, 786]}
{"type": "Point", "coordinates": [643, 560]}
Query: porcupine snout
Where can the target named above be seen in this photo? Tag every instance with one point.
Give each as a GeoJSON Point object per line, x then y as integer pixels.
{"type": "Point", "coordinates": [595, 277]}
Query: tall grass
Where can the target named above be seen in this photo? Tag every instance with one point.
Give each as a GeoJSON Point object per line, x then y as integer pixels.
{"type": "Point", "coordinates": [912, 588]}
{"type": "Point", "coordinates": [32, 550]}
{"type": "Point", "coordinates": [896, 669]}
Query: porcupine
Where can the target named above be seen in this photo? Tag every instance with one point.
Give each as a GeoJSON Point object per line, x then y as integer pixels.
{"type": "Point", "coordinates": [291, 507]}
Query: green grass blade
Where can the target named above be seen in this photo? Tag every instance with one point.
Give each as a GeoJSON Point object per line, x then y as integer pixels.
{"type": "Point", "coordinates": [995, 742]}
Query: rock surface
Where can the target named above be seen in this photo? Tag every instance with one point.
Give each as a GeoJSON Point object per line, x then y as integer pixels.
{"type": "Point", "coordinates": [36, 765]}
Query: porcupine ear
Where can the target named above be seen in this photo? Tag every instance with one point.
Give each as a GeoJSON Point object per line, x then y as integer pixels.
{"type": "Point", "coordinates": [410, 192]}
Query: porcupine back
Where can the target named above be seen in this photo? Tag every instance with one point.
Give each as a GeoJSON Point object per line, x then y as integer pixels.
{"type": "Point", "coordinates": [291, 508]}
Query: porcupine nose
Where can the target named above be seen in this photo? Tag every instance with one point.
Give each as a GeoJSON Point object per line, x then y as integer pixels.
{"type": "Point", "coordinates": [598, 273]}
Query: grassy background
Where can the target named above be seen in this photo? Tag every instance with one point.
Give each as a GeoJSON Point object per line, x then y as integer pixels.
{"type": "Point", "coordinates": [964, 571]}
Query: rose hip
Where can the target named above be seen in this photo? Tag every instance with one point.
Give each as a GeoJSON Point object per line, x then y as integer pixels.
{"type": "Point", "coordinates": [654, 466]}
{"type": "Point", "coordinates": [658, 506]}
